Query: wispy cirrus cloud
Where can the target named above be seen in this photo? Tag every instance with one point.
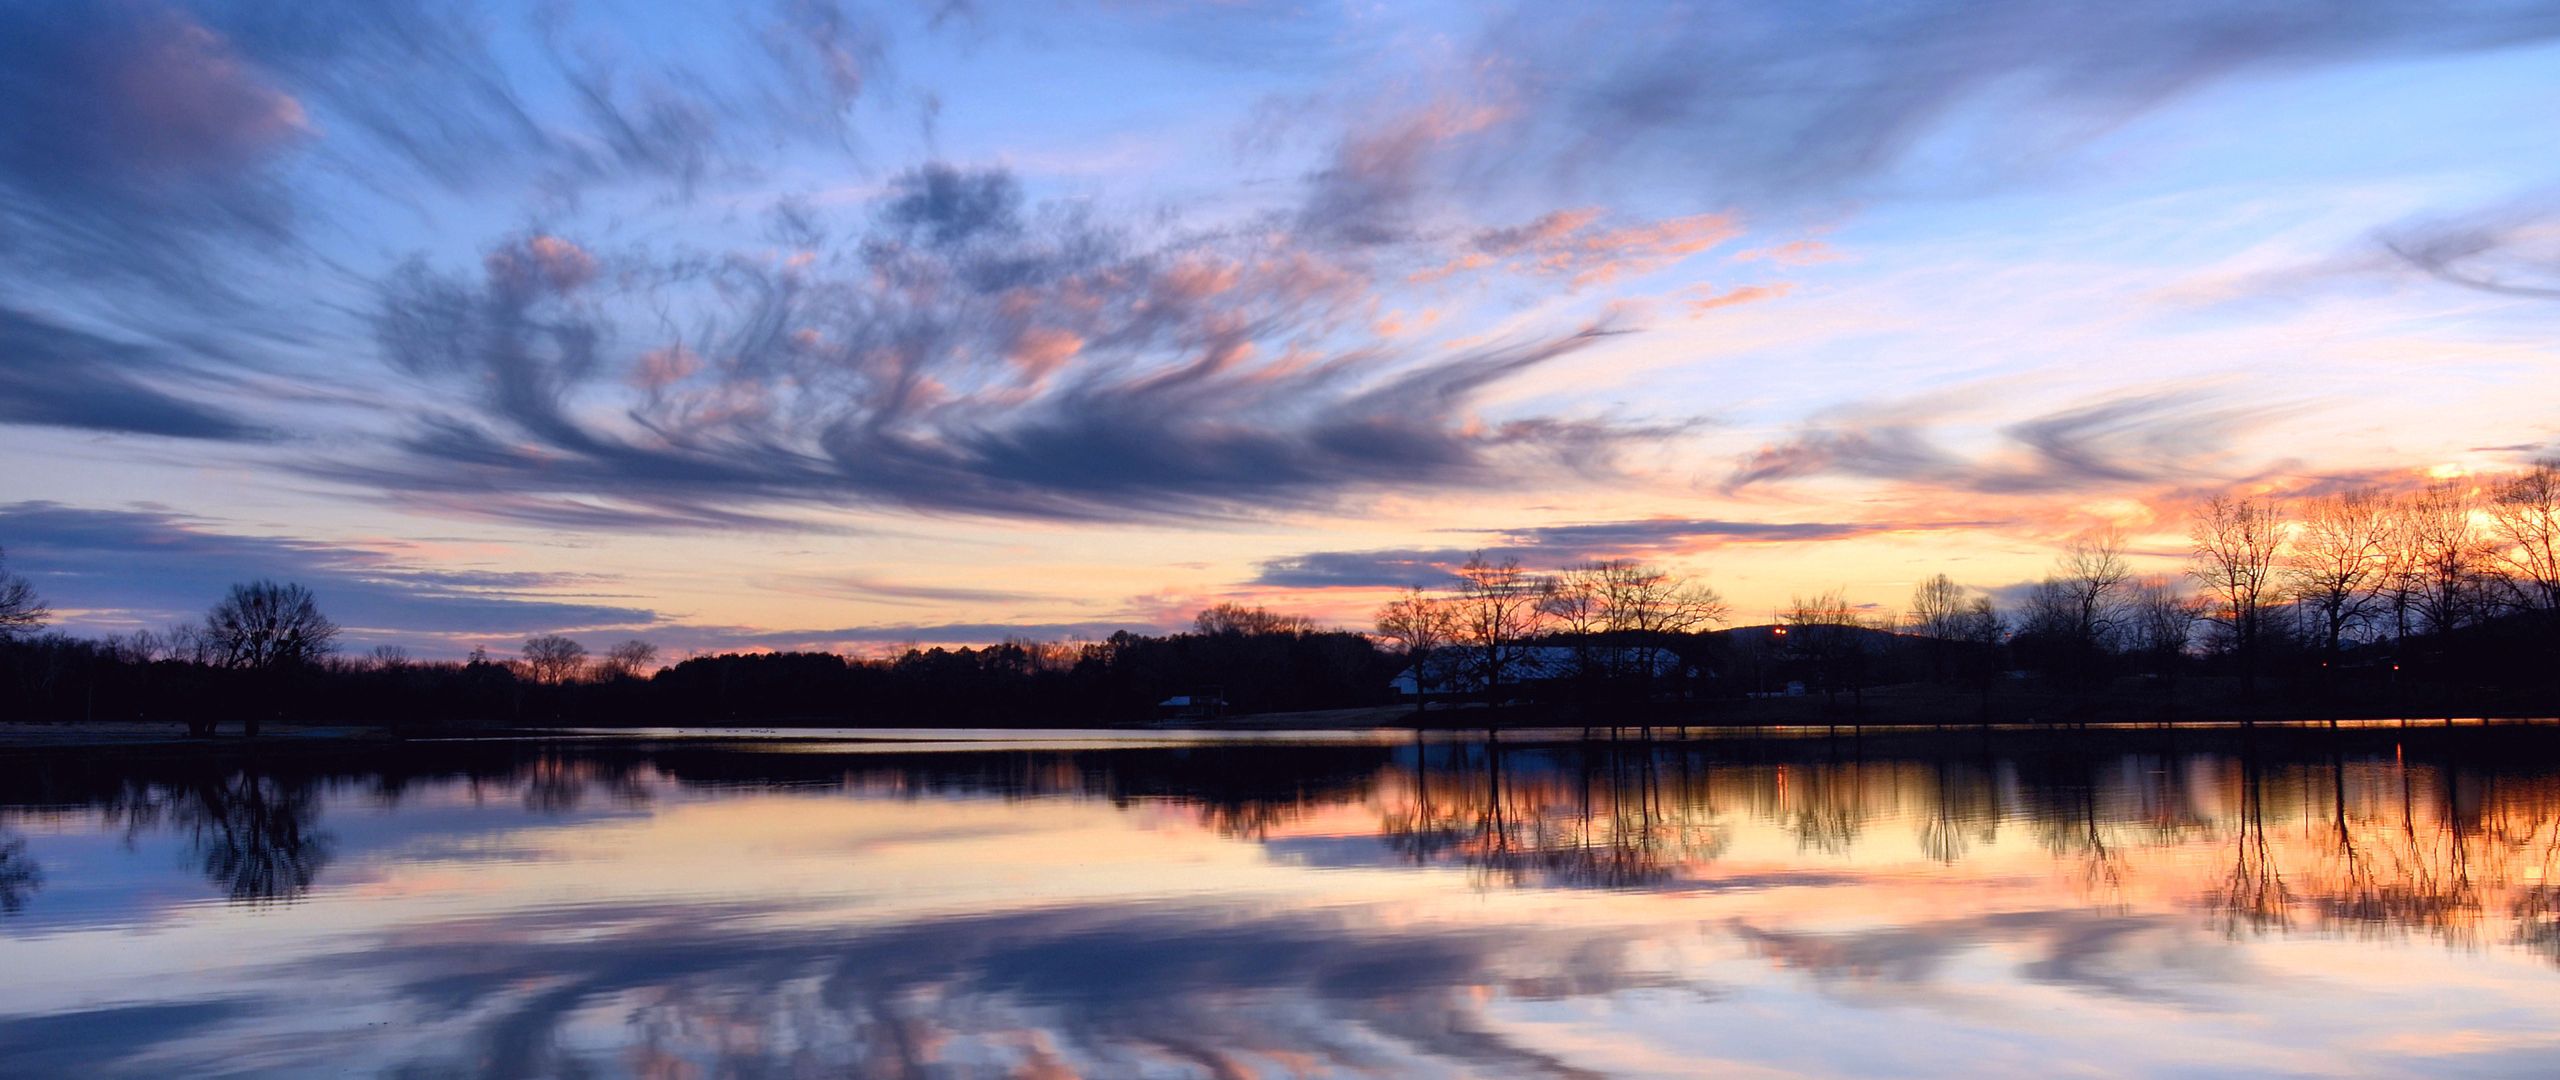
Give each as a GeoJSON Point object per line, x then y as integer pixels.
{"type": "Point", "coordinates": [55, 376]}
{"type": "Point", "coordinates": [1207, 377]}
{"type": "Point", "coordinates": [1584, 247]}
{"type": "Point", "coordinates": [132, 130]}
{"type": "Point", "coordinates": [2111, 444]}
{"type": "Point", "coordinates": [120, 568]}
{"type": "Point", "coordinates": [2509, 250]}
{"type": "Point", "coordinates": [1552, 546]}
{"type": "Point", "coordinates": [139, 130]}
{"type": "Point", "coordinates": [1820, 102]}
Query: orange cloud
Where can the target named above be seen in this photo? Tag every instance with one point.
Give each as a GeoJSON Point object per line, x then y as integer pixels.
{"type": "Point", "coordinates": [541, 262]}
{"type": "Point", "coordinates": [1707, 299]}
{"type": "Point", "coordinates": [1576, 244]}
{"type": "Point", "coordinates": [1792, 253]}
{"type": "Point", "coordinates": [660, 368]}
{"type": "Point", "coordinates": [1041, 350]}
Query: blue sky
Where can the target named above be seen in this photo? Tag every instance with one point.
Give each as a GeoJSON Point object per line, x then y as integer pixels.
{"type": "Point", "coordinates": [820, 324]}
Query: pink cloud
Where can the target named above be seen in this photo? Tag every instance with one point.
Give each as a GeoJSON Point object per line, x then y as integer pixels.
{"type": "Point", "coordinates": [1578, 245]}
{"type": "Point", "coordinates": [1039, 350]}
{"type": "Point", "coordinates": [541, 263]}
{"type": "Point", "coordinates": [1792, 253]}
{"type": "Point", "coordinates": [658, 369]}
{"type": "Point", "coordinates": [175, 97]}
{"type": "Point", "coordinates": [1707, 299]}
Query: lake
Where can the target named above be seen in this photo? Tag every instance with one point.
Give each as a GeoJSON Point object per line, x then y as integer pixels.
{"type": "Point", "coordinates": [1052, 904]}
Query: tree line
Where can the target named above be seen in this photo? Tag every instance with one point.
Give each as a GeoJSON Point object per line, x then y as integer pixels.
{"type": "Point", "coordinates": [266, 651]}
{"type": "Point", "coordinates": [2454, 585]}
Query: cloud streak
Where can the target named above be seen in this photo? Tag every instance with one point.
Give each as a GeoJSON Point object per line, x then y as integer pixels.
{"type": "Point", "coordinates": [1202, 378]}
{"type": "Point", "coordinates": [1551, 546]}
{"type": "Point", "coordinates": [55, 376]}
{"type": "Point", "coordinates": [1812, 103]}
{"type": "Point", "coordinates": [133, 565]}
{"type": "Point", "coordinates": [2155, 437]}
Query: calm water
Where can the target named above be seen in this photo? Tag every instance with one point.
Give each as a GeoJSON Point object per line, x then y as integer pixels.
{"type": "Point", "coordinates": [2368, 903]}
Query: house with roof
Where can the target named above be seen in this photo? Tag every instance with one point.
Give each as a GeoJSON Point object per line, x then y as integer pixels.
{"type": "Point", "coordinates": [1461, 671]}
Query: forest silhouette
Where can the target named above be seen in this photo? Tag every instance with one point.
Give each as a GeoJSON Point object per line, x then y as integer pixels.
{"type": "Point", "coordinates": [2438, 600]}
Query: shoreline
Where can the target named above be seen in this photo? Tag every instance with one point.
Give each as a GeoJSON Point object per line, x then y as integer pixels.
{"type": "Point", "coordinates": [55, 736]}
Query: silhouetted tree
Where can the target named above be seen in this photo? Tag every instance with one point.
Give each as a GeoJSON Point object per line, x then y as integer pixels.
{"type": "Point", "coordinates": [633, 659]}
{"type": "Point", "coordinates": [2525, 515]}
{"type": "Point", "coordinates": [1649, 603]}
{"type": "Point", "coordinates": [1499, 606]}
{"type": "Point", "coordinates": [1577, 606]}
{"type": "Point", "coordinates": [268, 630]}
{"type": "Point", "coordinates": [1241, 619]}
{"type": "Point", "coordinates": [2093, 576]}
{"type": "Point", "coordinates": [1422, 628]}
{"type": "Point", "coordinates": [1830, 637]}
{"type": "Point", "coordinates": [2236, 541]}
{"type": "Point", "coordinates": [1653, 609]}
{"type": "Point", "coordinates": [2448, 558]}
{"type": "Point", "coordinates": [263, 626]}
{"type": "Point", "coordinates": [2161, 624]}
{"type": "Point", "coordinates": [553, 659]}
{"type": "Point", "coordinates": [1938, 612]}
{"type": "Point", "coordinates": [2072, 621]}
{"type": "Point", "coordinates": [21, 611]}
{"type": "Point", "coordinates": [1981, 630]}
{"type": "Point", "coordinates": [2338, 561]}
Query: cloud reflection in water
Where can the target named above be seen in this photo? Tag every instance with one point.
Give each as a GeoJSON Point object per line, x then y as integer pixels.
{"type": "Point", "coordinates": [1453, 908]}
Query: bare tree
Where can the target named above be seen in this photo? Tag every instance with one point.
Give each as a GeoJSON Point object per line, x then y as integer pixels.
{"type": "Point", "coordinates": [2093, 575]}
{"type": "Point", "coordinates": [1422, 627]}
{"type": "Point", "coordinates": [2525, 515]}
{"type": "Point", "coordinates": [1651, 601]}
{"type": "Point", "coordinates": [637, 659]}
{"type": "Point", "coordinates": [388, 658]}
{"type": "Point", "coordinates": [188, 643]}
{"type": "Point", "coordinates": [2338, 562]}
{"type": "Point", "coordinates": [2049, 612]}
{"type": "Point", "coordinates": [1579, 604]}
{"type": "Point", "coordinates": [2163, 623]}
{"type": "Point", "coordinates": [2447, 555]}
{"type": "Point", "coordinates": [1231, 618]}
{"type": "Point", "coordinates": [1829, 636]}
{"type": "Point", "coordinates": [1620, 609]}
{"type": "Point", "coordinates": [268, 629]}
{"type": "Point", "coordinates": [554, 659]}
{"type": "Point", "coordinates": [2402, 575]}
{"type": "Point", "coordinates": [2236, 542]}
{"type": "Point", "coordinates": [1937, 616]}
{"type": "Point", "coordinates": [139, 647]}
{"type": "Point", "coordinates": [1499, 606]}
{"type": "Point", "coordinates": [1980, 630]}
{"type": "Point", "coordinates": [1651, 607]}
{"type": "Point", "coordinates": [21, 612]}
{"type": "Point", "coordinates": [264, 626]}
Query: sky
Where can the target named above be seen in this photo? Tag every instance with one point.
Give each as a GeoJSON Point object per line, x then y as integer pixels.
{"type": "Point", "coordinates": [814, 325]}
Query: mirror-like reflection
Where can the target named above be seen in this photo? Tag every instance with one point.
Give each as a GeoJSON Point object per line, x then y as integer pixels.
{"type": "Point", "coordinates": [2169, 902]}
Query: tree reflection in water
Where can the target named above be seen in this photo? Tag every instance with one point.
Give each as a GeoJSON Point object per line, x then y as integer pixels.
{"type": "Point", "coordinates": [2339, 844]}
{"type": "Point", "coordinates": [20, 877]}
{"type": "Point", "coordinates": [253, 834]}
{"type": "Point", "coordinates": [2080, 865]}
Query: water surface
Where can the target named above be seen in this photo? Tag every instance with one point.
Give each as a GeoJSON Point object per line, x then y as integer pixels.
{"type": "Point", "coordinates": [2371, 902]}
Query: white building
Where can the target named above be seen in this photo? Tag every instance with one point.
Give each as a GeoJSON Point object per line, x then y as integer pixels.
{"type": "Point", "coordinates": [1460, 670]}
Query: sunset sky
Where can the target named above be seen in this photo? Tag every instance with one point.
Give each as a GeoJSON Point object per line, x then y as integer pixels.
{"type": "Point", "coordinates": [814, 326]}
